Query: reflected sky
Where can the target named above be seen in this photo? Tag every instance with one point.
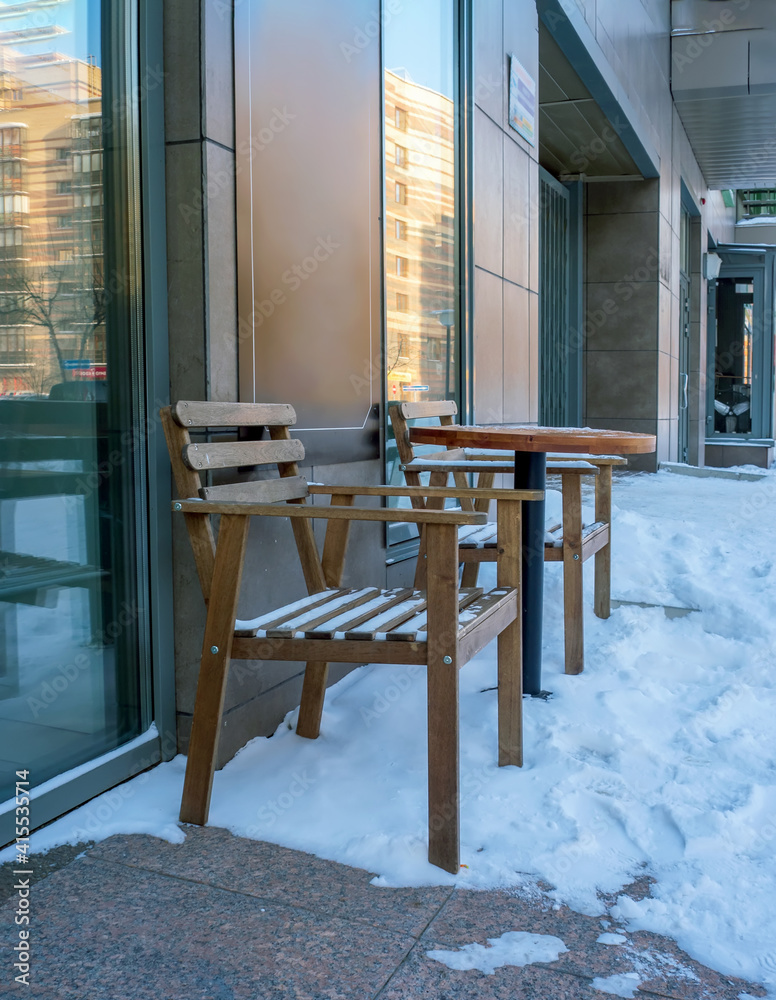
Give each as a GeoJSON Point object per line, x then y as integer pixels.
{"type": "Point", "coordinates": [419, 39]}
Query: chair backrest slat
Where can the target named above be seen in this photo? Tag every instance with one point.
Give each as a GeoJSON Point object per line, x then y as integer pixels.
{"type": "Point", "coordinates": [431, 408]}
{"type": "Point", "coordinates": [258, 490]}
{"type": "Point", "coordinates": [192, 462]}
{"type": "Point", "coordinates": [190, 413]}
{"type": "Point", "coordinates": [227, 455]}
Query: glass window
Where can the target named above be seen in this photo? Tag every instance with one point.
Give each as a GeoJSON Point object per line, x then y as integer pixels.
{"type": "Point", "coordinates": [71, 645]}
{"type": "Point", "coordinates": [421, 126]}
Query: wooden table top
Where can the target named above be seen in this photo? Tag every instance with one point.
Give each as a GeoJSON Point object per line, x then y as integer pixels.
{"type": "Point", "coordinates": [522, 437]}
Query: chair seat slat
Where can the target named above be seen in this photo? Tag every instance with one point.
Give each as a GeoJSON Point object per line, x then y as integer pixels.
{"type": "Point", "coordinates": [250, 626]}
{"type": "Point", "coordinates": [486, 535]}
{"type": "Point", "coordinates": [337, 626]}
{"type": "Point", "coordinates": [414, 630]}
{"type": "Point", "coordinates": [389, 619]}
{"type": "Point", "coordinates": [309, 619]}
{"type": "Point", "coordinates": [470, 615]}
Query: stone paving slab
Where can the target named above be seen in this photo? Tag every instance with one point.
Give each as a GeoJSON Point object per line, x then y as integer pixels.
{"type": "Point", "coordinates": [216, 857]}
{"type": "Point", "coordinates": [223, 918]}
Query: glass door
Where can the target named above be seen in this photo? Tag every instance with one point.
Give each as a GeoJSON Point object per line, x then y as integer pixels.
{"type": "Point", "coordinates": [73, 665]}
{"type": "Point", "coordinates": [738, 378]}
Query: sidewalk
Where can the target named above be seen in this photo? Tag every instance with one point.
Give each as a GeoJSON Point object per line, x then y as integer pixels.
{"type": "Point", "coordinates": [220, 917]}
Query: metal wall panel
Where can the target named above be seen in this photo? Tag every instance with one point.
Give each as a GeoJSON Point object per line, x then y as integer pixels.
{"type": "Point", "coordinates": [308, 130]}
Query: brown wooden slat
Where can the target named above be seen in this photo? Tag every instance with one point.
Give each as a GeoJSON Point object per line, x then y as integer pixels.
{"type": "Point", "coordinates": [280, 615]}
{"type": "Point", "coordinates": [428, 464]}
{"type": "Point", "coordinates": [481, 609]}
{"type": "Point", "coordinates": [190, 413]}
{"type": "Point", "coordinates": [451, 492]}
{"type": "Point", "coordinates": [293, 626]}
{"type": "Point", "coordinates": [439, 408]}
{"type": "Point", "coordinates": [419, 623]}
{"type": "Point", "coordinates": [257, 491]}
{"type": "Point", "coordinates": [600, 460]}
{"type": "Point", "coordinates": [485, 536]}
{"type": "Point", "coordinates": [349, 514]}
{"type": "Point", "coordinates": [333, 650]}
{"type": "Point", "coordinates": [348, 620]}
{"type": "Point", "coordinates": [232, 454]}
{"type": "Point", "coordinates": [385, 621]}
{"type": "Point", "coordinates": [504, 614]}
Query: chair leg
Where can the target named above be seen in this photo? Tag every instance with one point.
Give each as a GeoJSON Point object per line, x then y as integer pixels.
{"type": "Point", "coordinates": [603, 558]}
{"type": "Point", "coordinates": [214, 668]}
{"type": "Point", "coordinates": [311, 706]}
{"type": "Point", "coordinates": [572, 575]}
{"type": "Point", "coordinates": [443, 763]}
{"type": "Point", "coordinates": [510, 641]}
{"type": "Point", "coordinates": [470, 573]}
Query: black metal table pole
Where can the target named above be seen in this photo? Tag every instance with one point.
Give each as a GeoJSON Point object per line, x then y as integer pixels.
{"type": "Point", "coordinates": [530, 474]}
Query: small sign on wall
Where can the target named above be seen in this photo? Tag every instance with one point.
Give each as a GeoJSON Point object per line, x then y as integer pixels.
{"type": "Point", "coordinates": [522, 100]}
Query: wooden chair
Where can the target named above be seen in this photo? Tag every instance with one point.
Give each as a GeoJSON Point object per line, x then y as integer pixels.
{"type": "Point", "coordinates": [563, 542]}
{"type": "Point", "coordinates": [442, 627]}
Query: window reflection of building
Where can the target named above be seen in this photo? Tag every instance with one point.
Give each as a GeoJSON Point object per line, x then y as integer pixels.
{"type": "Point", "coordinates": [51, 272]}
{"type": "Point", "coordinates": [420, 236]}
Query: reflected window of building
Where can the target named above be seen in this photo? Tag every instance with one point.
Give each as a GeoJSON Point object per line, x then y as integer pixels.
{"type": "Point", "coordinates": [421, 175]}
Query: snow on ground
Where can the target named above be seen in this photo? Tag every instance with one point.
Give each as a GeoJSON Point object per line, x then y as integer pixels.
{"type": "Point", "coordinates": [513, 948]}
{"type": "Point", "coordinates": [658, 760]}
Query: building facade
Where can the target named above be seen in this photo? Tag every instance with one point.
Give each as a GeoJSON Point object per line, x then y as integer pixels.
{"type": "Point", "coordinates": [512, 203]}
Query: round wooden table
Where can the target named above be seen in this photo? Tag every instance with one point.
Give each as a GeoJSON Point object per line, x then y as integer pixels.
{"type": "Point", "coordinates": [530, 445]}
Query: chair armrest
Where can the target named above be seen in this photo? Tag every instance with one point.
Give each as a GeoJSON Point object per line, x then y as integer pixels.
{"type": "Point", "coordinates": [451, 492]}
{"type": "Point", "coordinates": [431, 464]}
{"type": "Point", "coordinates": [411, 515]}
{"type": "Point", "coordinates": [577, 468]}
{"type": "Point", "coordinates": [598, 460]}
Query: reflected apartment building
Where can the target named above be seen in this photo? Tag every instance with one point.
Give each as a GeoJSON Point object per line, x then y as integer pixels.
{"type": "Point", "coordinates": [52, 322]}
{"type": "Point", "coordinates": [420, 357]}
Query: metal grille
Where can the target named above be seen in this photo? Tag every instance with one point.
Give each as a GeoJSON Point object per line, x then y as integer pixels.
{"type": "Point", "coordinates": [554, 343]}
